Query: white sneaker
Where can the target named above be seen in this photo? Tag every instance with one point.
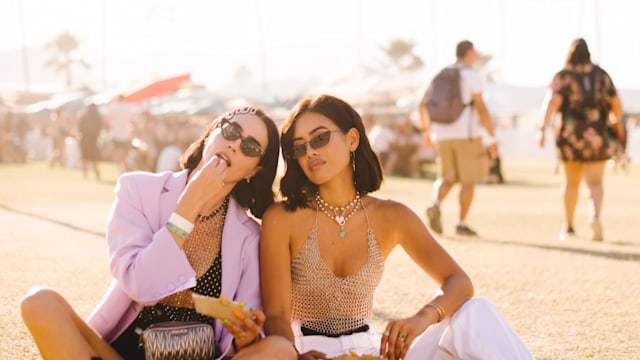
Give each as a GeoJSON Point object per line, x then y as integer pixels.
{"type": "Point", "coordinates": [597, 230]}
{"type": "Point", "coordinates": [566, 234]}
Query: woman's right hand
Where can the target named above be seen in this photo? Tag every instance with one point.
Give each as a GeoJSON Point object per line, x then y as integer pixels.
{"type": "Point", "coordinates": [210, 176]}
{"type": "Point", "coordinates": [206, 185]}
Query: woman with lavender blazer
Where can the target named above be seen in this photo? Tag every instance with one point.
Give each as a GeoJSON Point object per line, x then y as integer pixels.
{"type": "Point", "coordinates": [163, 268]}
{"type": "Point", "coordinates": [171, 235]}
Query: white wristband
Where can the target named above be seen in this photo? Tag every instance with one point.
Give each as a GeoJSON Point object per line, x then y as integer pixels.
{"type": "Point", "coordinates": [491, 141]}
{"type": "Point", "coordinates": [181, 222]}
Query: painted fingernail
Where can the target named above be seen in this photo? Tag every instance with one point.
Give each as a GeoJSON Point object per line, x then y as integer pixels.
{"type": "Point", "coordinates": [225, 321]}
{"type": "Point", "coordinates": [237, 313]}
{"type": "Point", "coordinates": [252, 308]}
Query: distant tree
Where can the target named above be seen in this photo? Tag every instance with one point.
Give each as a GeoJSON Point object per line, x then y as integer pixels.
{"type": "Point", "coordinates": [63, 55]}
{"type": "Point", "coordinates": [400, 52]}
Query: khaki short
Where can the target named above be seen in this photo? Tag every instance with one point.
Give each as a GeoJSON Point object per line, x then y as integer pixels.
{"type": "Point", "coordinates": [462, 160]}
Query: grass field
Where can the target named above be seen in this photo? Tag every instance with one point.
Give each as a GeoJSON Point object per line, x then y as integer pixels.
{"type": "Point", "coordinates": [576, 299]}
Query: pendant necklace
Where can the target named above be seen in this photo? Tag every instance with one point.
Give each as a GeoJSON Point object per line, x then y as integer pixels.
{"type": "Point", "coordinates": [340, 215]}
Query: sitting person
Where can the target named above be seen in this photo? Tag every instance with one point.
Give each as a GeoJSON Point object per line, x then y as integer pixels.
{"type": "Point", "coordinates": [172, 234]}
{"type": "Point", "coordinates": [323, 251]}
{"type": "Point", "coordinates": [404, 154]}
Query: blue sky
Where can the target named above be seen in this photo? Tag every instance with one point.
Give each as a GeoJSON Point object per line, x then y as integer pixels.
{"type": "Point", "coordinates": [286, 39]}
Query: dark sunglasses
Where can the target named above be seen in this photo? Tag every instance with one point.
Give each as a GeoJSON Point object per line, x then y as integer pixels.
{"type": "Point", "coordinates": [249, 146]}
{"type": "Point", "coordinates": [315, 142]}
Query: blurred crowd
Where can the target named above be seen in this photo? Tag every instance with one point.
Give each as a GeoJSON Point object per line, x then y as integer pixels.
{"type": "Point", "coordinates": [134, 140]}
{"type": "Point", "coordinates": [399, 143]}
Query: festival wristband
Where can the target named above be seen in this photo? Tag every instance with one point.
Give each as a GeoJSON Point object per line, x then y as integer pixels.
{"type": "Point", "coordinates": [178, 231]}
{"type": "Point", "coordinates": [181, 222]}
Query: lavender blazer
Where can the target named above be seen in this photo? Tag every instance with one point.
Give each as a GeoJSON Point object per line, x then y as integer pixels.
{"type": "Point", "coordinates": [147, 265]}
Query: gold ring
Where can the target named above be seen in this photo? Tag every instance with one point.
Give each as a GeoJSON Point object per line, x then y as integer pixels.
{"type": "Point", "coordinates": [402, 337]}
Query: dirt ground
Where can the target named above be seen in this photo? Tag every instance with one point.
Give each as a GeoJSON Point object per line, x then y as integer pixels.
{"type": "Point", "coordinates": [576, 299]}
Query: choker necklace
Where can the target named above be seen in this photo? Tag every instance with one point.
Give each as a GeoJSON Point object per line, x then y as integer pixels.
{"type": "Point", "coordinates": [203, 218]}
{"type": "Point", "coordinates": [340, 215]}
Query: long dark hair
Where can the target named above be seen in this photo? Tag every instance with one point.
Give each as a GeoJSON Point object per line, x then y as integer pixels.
{"type": "Point", "coordinates": [578, 53]}
{"type": "Point", "coordinates": [256, 194]}
{"type": "Point", "coordinates": [296, 188]}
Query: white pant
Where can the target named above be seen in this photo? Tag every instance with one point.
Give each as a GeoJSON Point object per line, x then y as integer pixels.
{"type": "Point", "coordinates": [476, 331]}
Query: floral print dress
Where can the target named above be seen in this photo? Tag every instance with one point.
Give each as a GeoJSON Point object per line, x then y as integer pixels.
{"type": "Point", "coordinates": [584, 133]}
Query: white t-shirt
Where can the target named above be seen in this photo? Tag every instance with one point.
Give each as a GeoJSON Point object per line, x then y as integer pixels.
{"type": "Point", "coordinates": [468, 123]}
{"type": "Point", "coordinates": [381, 137]}
{"type": "Point", "coordinates": [120, 117]}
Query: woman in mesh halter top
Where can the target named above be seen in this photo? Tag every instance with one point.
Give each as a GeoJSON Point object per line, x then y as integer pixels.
{"type": "Point", "coordinates": [323, 249]}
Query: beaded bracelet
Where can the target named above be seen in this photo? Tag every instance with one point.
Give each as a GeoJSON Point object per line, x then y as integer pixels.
{"type": "Point", "coordinates": [441, 313]}
{"type": "Point", "coordinates": [177, 230]}
{"type": "Point", "coordinates": [181, 222]}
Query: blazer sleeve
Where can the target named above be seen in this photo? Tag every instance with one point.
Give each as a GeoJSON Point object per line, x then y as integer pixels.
{"type": "Point", "coordinates": [144, 259]}
{"type": "Point", "coordinates": [242, 283]}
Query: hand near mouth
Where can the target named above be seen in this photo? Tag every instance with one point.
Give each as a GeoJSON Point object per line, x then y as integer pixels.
{"type": "Point", "coordinates": [206, 188]}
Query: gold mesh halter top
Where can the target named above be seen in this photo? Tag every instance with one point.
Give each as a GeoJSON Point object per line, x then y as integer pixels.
{"type": "Point", "coordinates": [331, 304]}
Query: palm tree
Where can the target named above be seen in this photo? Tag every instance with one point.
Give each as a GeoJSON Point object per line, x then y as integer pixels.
{"type": "Point", "coordinates": [401, 54]}
{"type": "Point", "coordinates": [63, 57]}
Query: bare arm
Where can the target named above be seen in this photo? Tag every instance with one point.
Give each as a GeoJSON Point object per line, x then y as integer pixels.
{"type": "Point", "coordinates": [553, 106]}
{"type": "Point", "coordinates": [205, 186]}
{"type": "Point", "coordinates": [456, 287]}
{"type": "Point", "coordinates": [427, 253]}
{"type": "Point", "coordinates": [616, 111]}
{"type": "Point", "coordinates": [275, 271]}
{"type": "Point", "coordinates": [426, 124]}
{"type": "Point", "coordinates": [485, 120]}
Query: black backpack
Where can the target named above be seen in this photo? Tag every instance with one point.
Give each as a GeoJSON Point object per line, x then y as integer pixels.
{"type": "Point", "coordinates": [443, 98]}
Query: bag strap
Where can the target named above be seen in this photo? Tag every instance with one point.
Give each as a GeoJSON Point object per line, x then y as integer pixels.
{"type": "Point", "coordinates": [589, 95]}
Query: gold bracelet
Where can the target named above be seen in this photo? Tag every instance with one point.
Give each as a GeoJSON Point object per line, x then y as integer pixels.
{"type": "Point", "coordinates": [441, 313]}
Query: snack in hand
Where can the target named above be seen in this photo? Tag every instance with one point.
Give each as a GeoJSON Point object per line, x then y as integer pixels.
{"type": "Point", "coordinates": [219, 308]}
{"type": "Point", "coordinates": [353, 356]}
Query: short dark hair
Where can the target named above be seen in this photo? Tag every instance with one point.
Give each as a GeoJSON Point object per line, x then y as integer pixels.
{"type": "Point", "coordinates": [256, 194]}
{"type": "Point", "coordinates": [462, 48]}
{"type": "Point", "coordinates": [295, 187]}
{"type": "Point", "coordinates": [578, 53]}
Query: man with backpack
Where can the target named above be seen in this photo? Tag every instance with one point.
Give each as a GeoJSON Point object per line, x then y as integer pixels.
{"type": "Point", "coordinates": [452, 112]}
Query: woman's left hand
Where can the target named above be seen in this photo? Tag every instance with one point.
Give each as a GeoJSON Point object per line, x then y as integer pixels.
{"type": "Point", "coordinates": [399, 334]}
{"type": "Point", "coordinates": [247, 331]}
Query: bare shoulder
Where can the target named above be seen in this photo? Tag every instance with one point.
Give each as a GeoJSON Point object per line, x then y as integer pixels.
{"type": "Point", "coordinates": [275, 210]}
{"type": "Point", "coordinates": [393, 222]}
{"type": "Point", "coordinates": [277, 216]}
{"type": "Point", "coordinates": [389, 210]}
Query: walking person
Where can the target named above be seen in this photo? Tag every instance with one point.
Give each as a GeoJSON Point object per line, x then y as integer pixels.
{"type": "Point", "coordinates": [462, 155]}
{"type": "Point", "coordinates": [584, 94]}
{"type": "Point", "coordinates": [58, 129]}
{"type": "Point", "coordinates": [90, 125]}
{"type": "Point", "coordinates": [120, 118]}
{"type": "Point", "coordinates": [172, 234]}
{"type": "Point", "coordinates": [323, 251]}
